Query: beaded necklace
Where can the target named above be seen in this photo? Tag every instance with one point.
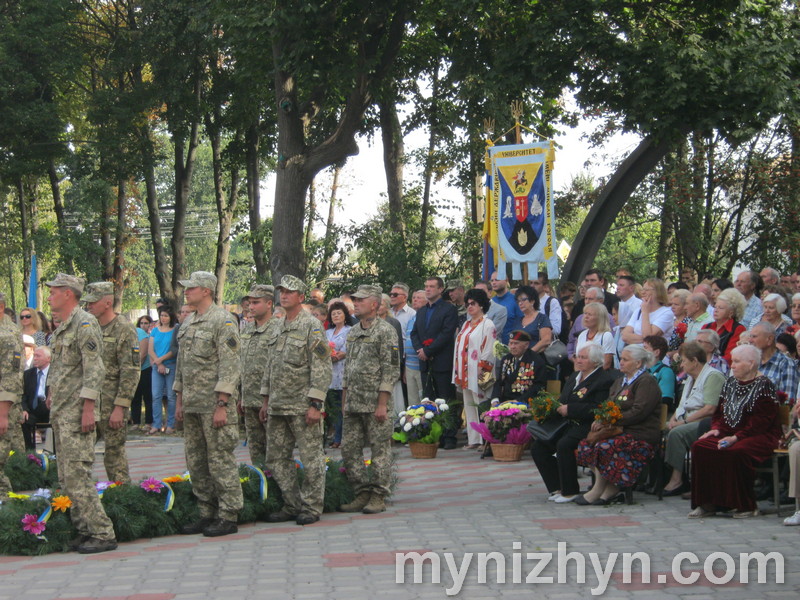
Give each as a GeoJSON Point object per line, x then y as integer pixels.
{"type": "Point", "coordinates": [738, 397]}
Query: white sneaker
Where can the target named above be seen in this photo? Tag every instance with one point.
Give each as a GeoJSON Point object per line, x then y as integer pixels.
{"type": "Point", "coordinates": [793, 520]}
{"type": "Point", "coordinates": [565, 499]}
{"type": "Point", "coordinates": [554, 496]}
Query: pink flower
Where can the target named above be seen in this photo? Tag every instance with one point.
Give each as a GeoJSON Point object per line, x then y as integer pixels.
{"type": "Point", "coordinates": [152, 484]}
{"type": "Point", "coordinates": [32, 525]}
{"type": "Point", "coordinates": [474, 355]}
{"type": "Point", "coordinates": [35, 459]}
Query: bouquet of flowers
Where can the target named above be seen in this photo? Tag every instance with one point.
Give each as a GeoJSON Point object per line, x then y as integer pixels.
{"type": "Point", "coordinates": [681, 329]}
{"type": "Point", "coordinates": [505, 423]}
{"type": "Point", "coordinates": [421, 423]}
{"type": "Point", "coordinates": [500, 349]}
{"type": "Point", "coordinates": [544, 406]}
{"type": "Point", "coordinates": [608, 413]}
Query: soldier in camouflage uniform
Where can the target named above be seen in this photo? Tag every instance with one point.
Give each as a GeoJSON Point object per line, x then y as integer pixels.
{"type": "Point", "coordinates": [207, 382]}
{"type": "Point", "coordinates": [10, 387]}
{"type": "Point", "coordinates": [254, 359]}
{"type": "Point", "coordinates": [296, 378]}
{"type": "Point", "coordinates": [76, 379]}
{"type": "Point", "coordinates": [121, 359]}
{"type": "Point", "coordinates": [372, 367]}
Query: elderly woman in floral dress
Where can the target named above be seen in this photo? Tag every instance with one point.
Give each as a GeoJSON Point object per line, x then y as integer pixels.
{"type": "Point", "coordinates": [474, 359]}
{"type": "Point", "coordinates": [618, 460]}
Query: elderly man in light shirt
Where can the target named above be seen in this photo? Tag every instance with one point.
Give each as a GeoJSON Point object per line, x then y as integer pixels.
{"type": "Point", "coordinates": [697, 311]}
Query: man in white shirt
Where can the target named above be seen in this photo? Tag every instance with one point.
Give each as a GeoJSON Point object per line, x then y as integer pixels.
{"type": "Point", "coordinates": [548, 304]}
{"type": "Point", "coordinates": [398, 299]}
{"type": "Point", "coordinates": [629, 304]}
{"type": "Point", "coordinates": [749, 285]}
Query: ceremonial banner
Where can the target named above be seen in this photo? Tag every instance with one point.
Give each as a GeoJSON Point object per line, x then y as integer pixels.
{"type": "Point", "coordinates": [522, 208]}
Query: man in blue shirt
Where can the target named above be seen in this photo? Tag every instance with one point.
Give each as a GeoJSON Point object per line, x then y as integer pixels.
{"type": "Point", "coordinates": [503, 297]}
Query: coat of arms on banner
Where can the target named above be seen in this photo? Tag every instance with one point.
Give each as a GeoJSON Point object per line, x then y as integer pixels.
{"type": "Point", "coordinates": [522, 197]}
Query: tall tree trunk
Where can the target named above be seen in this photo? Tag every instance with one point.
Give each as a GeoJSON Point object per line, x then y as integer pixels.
{"type": "Point", "coordinates": [226, 206]}
{"type": "Point", "coordinates": [58, 208]}
{"type": "Point", "coordinates": [327, 252]}
{"type": "Point", "coordinates": [312, 214]}
{"type": "Point", "coordinates": [426, 190]}
{"type": "Point", "coordinates": [160, 264]}
{"type": "Point", "coordinates": [119, 246]}
{"type": "Point", "coordinates": [254, 201]}
{"type": "Point", "coordinates": [185, 155]}
{"type": "Point", "coordinates": [393, 159]}
{"type": "Point", "coordinates": [105, 235]}
{"type": "Point", "coordinates": [667, 224]}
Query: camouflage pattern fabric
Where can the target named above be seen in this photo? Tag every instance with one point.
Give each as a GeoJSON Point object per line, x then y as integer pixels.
{"type": "Point", "coordinates": [298, 366]}
{"type": "Point", "coordinates": [212, 465]}
{"type": "Point", "coordinates": [256, 436]}
{"type": "Point", "coordinates": [208, 360]}
{"type": "Point", "coordinates": [208, 363]}
{"type": "Point", "coordinates": [77, 371]}
{"type": "Point", "coordinates": [254, 353]}
{"type": "Point", "coordinates": [283, 433]}
{"type": "Point", "coordinates": [121, 359]}
{"type": "Point", "coordinates": [11, 367]}
{"type": "Point", "coordinates": [373, 365]}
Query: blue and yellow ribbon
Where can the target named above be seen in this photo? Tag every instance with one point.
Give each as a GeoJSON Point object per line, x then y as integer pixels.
{"type": "Point", "coordinates": [262, 482]}
{"type": "Point", "coordinates": [170, 499]}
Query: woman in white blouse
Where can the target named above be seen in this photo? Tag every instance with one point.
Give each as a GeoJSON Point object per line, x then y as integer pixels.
{"type": "Point", "coordinates": [598, 331]}
{"type": "Point", "coordinates": [474, 358]}
{"type": "Point", "coordinates": [654, 317]}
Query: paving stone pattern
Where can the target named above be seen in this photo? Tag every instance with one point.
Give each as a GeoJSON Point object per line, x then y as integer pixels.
{"type": "Point", "coordinates": [456, 503]}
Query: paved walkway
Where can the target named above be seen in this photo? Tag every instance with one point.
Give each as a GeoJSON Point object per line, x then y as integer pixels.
{"type": "Point", "coordinates": [455, 504]}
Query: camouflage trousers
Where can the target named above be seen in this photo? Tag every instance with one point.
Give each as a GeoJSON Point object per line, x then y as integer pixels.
{"type": "Point", "coordinates": [283, 433]}
{"type": "Point", "coordinates": [256, 436]}
{"type": "Point", "coordinates": [115, 458]}
{"type": "Point", "coordinates": [15, 428]}
{"type": "Point", "coordinates": [212, 465]}
{"type": "Point", "coordinates": [75, 458]}
{"type": "Point", "coordinates": [5, 449]}
{"type": "Point", "coordinates": [361, 430]}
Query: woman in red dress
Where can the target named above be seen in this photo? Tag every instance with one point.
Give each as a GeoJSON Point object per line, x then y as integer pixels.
{"type": "Point", "coordinates": [744, 431]}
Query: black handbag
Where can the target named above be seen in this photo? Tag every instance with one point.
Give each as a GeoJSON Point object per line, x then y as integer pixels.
{"type": "Point", "coordinates": [549, 430]}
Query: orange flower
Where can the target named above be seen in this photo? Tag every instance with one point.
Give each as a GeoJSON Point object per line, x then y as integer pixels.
{"type": "Point", "coordinates": [61, 503]}
{"type": "Point", "coordinates": [173, 479]}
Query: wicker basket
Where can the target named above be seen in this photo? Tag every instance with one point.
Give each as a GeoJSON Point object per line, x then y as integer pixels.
{"type": "Point", "coordinates": [420, 450]}
{"type": "Point", "coordinates": [507, 452]}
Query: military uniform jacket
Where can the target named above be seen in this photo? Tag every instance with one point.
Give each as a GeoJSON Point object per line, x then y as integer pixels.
{"type": "Point", "coordinates": [10, 361]}
{"type": "Point", "coordinates": [298, 366]}
{"type": "Point", "coordinates": [121, 359]}
{"type": "Point", "coordinates": [254, 361]}
{"type": "Point", "coordinates": [208, 360]}
{"type": "Point", "coordinates": [372, 365]}
{"type": "Point", "coordinates": [77, 369]}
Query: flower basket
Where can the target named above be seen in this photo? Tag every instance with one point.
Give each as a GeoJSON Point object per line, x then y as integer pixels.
{"type": "Point", "coordinates": [424, 422]}
{"type": "Point", "coordinates": [420, 450]}
{"type": "Point", "coordinates": [507, 452]}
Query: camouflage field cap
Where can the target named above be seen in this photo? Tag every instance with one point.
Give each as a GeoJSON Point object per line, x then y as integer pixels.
{"type": "Point", "coordinates": [368, 291]}
{"type": "Point", "coordinates": [261, 290]}
{"type": "Point", "coordinates": [290, 283]}
{"type": "Point", "coordinates": [202, 279]}
{"type": "Point", "coordinates": [70, 281]}
{"type": "Point", "coordinates": [453, 284]}
{"type": "Point", "coordinates": [95, 291]}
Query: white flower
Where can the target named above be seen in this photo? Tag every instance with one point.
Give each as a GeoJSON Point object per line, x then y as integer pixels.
{"type": "Point", "coordinates": [495, 401]}
{"type": "Point", "coordinates": [402, 421]}
{"type": "Point", "coordinates": [401, 413]}
{"type": "Point", "coordinates": [42, 493]}
{"type": "Point", "coordinates": [440, 401]}
{"type": "Point", "coordinates": [425, 400]}
{"type": "Point", "coordinates": [415, 422]}
{"type": "Point", "coordinates": [407, 427]}
{"type": "Point", "coordinates": [443, 407]}
{"type": "Point", "coordinates": [429, 415]}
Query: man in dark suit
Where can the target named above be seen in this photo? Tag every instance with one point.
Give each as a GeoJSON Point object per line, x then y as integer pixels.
{"type": "Point", "coordinates": [584, 390]}
{"type": "Point", "coordinates": [433, 338]}
{"type": "Point", "coordinates": [34, 393]}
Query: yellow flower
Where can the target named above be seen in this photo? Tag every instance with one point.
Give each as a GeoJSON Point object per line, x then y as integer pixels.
{"type": "Point", "coordinates": [18, 496]}
{"type": "Point", "coordinates": [61, 503]}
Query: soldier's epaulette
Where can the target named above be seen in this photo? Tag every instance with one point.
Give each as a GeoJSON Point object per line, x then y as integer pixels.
{"type": "Point", "coordinates": [86, 324]}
